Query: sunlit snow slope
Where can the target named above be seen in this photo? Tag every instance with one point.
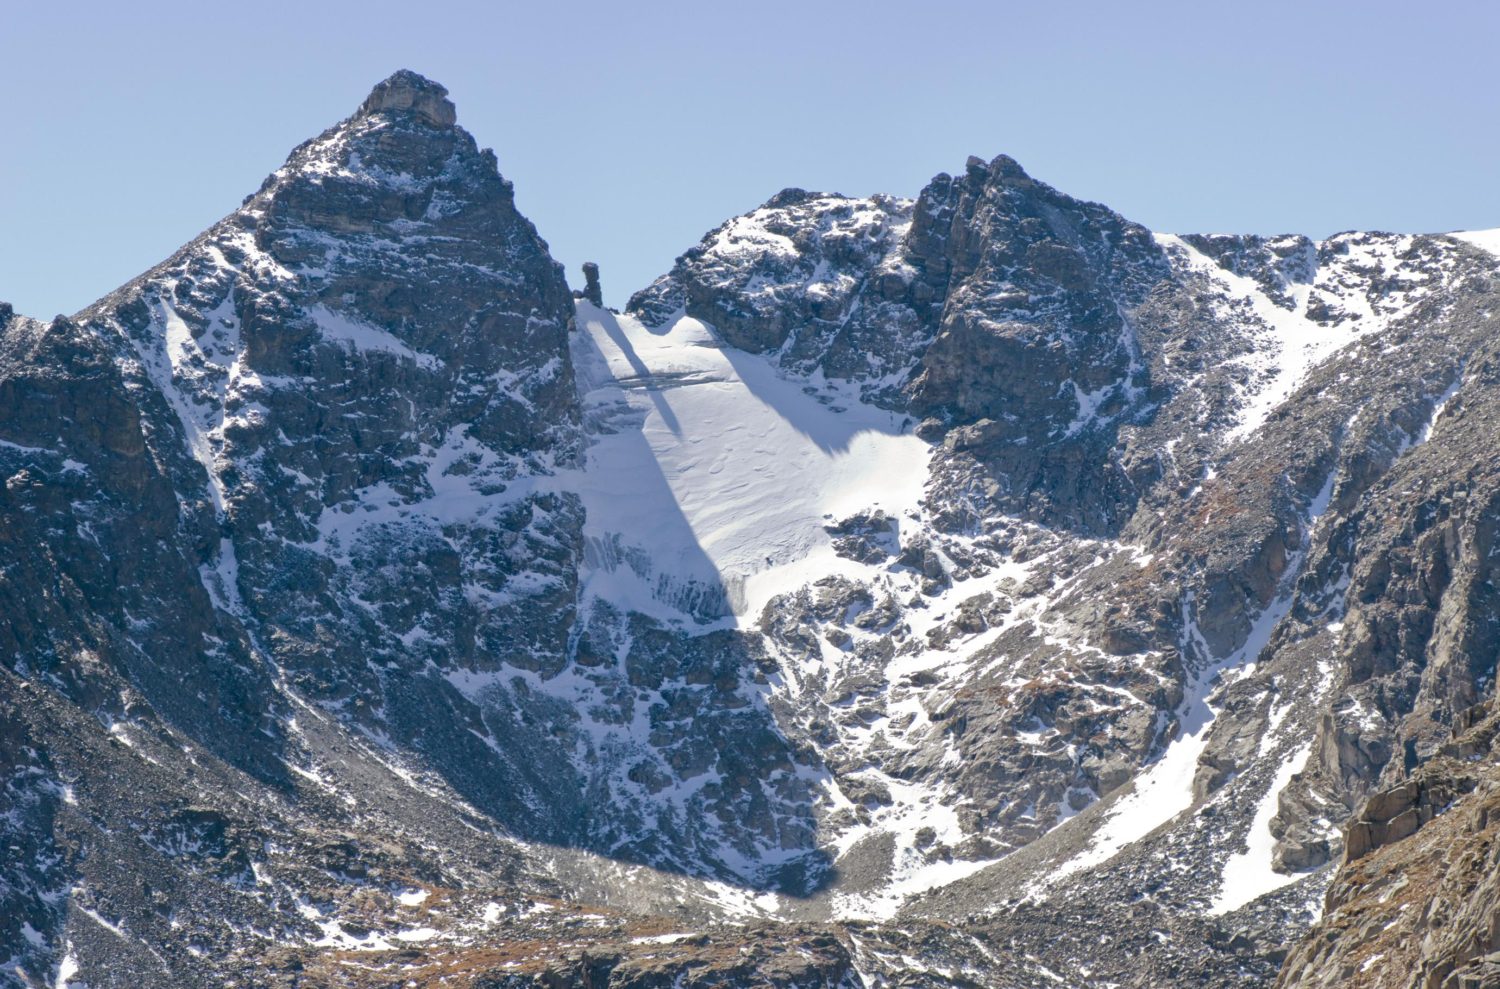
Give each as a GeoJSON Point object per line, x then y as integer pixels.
{"type": "Point", "coordinates": [710, 476]}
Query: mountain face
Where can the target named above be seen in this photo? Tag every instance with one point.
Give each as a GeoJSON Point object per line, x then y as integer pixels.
{"type": "Point", "coordinates": [899, 299]}
{"type": "Point", "coordinates": [978, 589]}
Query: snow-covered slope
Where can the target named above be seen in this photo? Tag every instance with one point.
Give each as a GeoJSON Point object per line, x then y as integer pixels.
{"type": "Point", "coordinates": [711, 477]}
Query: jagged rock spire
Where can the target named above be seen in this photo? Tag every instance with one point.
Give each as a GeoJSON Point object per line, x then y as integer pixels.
{"type": "Point", "coordinates": [408, 91]}
{"type": "Point", "coordinates": [591, 289]}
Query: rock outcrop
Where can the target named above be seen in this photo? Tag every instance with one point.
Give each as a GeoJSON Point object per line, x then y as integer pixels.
{"type": "Point", "coordinates": [1415, 900]}
{"type": "Point", "coordinates": [591, 290]}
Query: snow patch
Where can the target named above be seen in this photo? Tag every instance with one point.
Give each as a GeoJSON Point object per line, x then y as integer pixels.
{"type": "Point", "coordinates": [1248, 875]}
{"type": "Point", "coordinates": [362, 336]}
{"type": "Point", "coordinates": [66, 969]}
{"type": "Point", "coordinates": [660, 938]}
{"type": "Point", "coordinates": [1438, 408]}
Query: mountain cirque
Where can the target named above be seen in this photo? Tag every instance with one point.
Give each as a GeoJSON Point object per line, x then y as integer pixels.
{"type": "Point", "coordinates": [978, 589]}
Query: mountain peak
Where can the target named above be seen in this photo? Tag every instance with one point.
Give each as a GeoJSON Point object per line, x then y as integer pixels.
{"type": "Point", "coordinates": [411, 92]}
{"type": "Point", "coordinates": [1001, 166]}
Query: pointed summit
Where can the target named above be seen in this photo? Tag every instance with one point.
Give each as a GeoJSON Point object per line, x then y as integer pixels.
{"type": "Point", "coordinates": [406, 91]}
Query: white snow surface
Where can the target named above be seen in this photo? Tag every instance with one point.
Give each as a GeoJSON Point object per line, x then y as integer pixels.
{"type": "Point", "coordinates": [708, 466]}
{"type": "Point", "coordinates": [66, 969]}
{"type": "Point", "coordinates": [1485, 240]}
{"type": "Point", "coordinates": [710, 471]}
{"type": "Point", "coordinates": [1248, 874]}
{"type": "Point", "coordinates": [359, 335]}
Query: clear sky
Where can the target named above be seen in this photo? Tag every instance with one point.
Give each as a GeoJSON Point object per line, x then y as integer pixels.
{"type": "Point", "coordinates": [632, 128]}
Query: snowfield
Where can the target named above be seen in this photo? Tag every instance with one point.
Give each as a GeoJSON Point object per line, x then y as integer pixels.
{"type": "Point", "coordinates": [710, 476]}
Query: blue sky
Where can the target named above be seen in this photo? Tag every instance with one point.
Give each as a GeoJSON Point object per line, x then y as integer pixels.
{"type": "Point", "coordinates": [632, 129]}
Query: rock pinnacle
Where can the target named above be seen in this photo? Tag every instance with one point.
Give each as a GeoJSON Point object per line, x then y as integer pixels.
{"type": "Point", "coordinates": [407, 91]}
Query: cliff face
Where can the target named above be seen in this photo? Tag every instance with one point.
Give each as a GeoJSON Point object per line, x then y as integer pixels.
{"type": "Point", "coordinates": [977, 588]}
{"type": "Point", "coordinates": [1414, 901]}
{"type": "Point", "coordinates": [354, 383]}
